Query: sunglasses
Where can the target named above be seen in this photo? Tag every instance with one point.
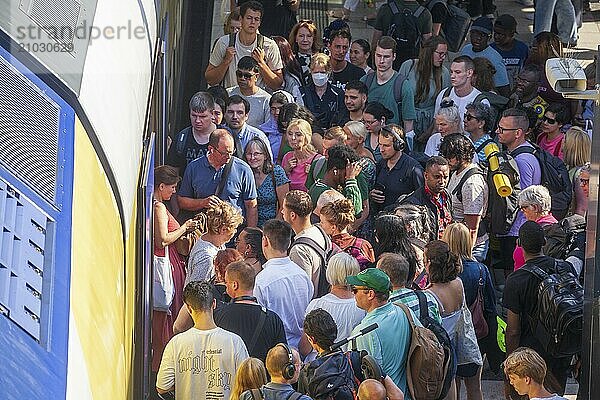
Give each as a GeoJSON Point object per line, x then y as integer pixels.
{"type": "Point", "coordinates": [244, 75]}
{"type": "Point", "coordinates": [470, 117]}
{"type": "Point", "coordinates": [551, 121]}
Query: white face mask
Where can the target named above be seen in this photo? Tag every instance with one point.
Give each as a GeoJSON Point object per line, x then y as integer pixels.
{"type": "Point", "coordinates": [320, 78]}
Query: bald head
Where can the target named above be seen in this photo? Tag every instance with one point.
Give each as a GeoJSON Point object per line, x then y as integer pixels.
{"type": "Point", "coordinates": [371, 389]}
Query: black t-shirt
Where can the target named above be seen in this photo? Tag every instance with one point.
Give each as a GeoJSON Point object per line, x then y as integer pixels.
{"type": "Point", "coordinates": [404, 178]}
{"type": "Point", "coordinates": [520, 297]}
{"type": "Point", "coordinates": [350, 73]}
{"type": "Point", "coordinates": [184, 150]}
{"type": "Point", "coordinates": [341, 117]}
{"type": "Point", "coordinates": [325, 107]}
{"type": "Point", "coordinates": [243, 319]}
{"type": "Point", "coordinates": [278, 19]}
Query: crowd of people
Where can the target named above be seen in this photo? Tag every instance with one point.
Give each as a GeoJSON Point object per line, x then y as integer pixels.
{"type": "Point", "coordinates": [326, 183]}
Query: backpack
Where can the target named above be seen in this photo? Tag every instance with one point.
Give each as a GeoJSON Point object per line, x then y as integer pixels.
{"type": "Point", "coordinates": [330, 377]}
{"type": "Point", "coordinates": [557, 318]}
{"type": "Point", "coordinates": [458, 189]}
{"type": "Point", "coordinates": [257, 394]}
{"type": "Point", "coordinates": [324, 255]}
{"type": "Point", "coordinates": [564, 236]}
{"type": "Point", "coordinates": [555, 177]}
{"type": "Point", "coordinates": [405, 31]}
{"type": "Point", "coordinates": [355, 250]}
{"type": "Point", "coordinates": [456, 26]}
{"type": "Point", "coordinates": [428, 369]}
{"type": "Point", "coordinates": [397, 89]}
{"type": "Point", "coordinates": [498, 104]}
{"type": "Point", "coordinates": [180, 142]}
{"type": "Point", "coordinates": [260, 41]}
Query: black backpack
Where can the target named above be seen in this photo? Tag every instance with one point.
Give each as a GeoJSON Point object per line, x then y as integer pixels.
{"type": "Point", "coordinates": [564, 236]}
{"type": "Point", "coordinates": [555, 177]}
{"type": "Point", "coordinates": [498, 104]}
{"type": "Point", "coordinates": [557, 319]}
{"type": "Point", "coordinates": [330, 377]}
{"type": "Point", "coordinates": [456, 26]}
{"type": "Point", "coordinates": [405, 31]}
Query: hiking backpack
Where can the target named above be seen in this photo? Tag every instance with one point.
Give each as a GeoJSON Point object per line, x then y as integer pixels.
{"type": "Point", "coordinates": [456, 26]}
{"type": "Point", "coordinates": [399, 81]}
{"type": "Point", "coordinates": [405, 31]}
{"type": "Point", "coordinates": [429, 365]}
{"type": "Point", "coordinates": [330, 377]}
{"type": "Point", "coordinates": [564, 236]}
{"type": "Point", "coordinates": [324, 254]}
{"type": "Point", "coordinates": [355, 250]}
{"type": "Point", "coordinates": [555, 177]}
{"type": "Point", "coordinates": [557, 318]}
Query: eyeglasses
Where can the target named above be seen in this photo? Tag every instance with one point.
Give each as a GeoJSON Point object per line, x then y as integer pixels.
{"type": "Point", "coordinates": [356, 289]}
{"type": "Point", "coordinates": [256, 154]}
{"type": "Point", "coordinates": [442, 54]}
{"type": "Point", "coordinates": [550, 121]}
{"type": "Point", "coordinates": [523, 208]}
{"type": "Point", "coordinates": [502, 130]}
{"type": "Point", "coordinates": [584, 182]}
{"type": "Point", "coordinates": [224, 153]}
{"type": "Point", "coordinates": [469, 117]}
{"type": "Point", "coordinates": [368, 122]}
{"type": "Point", "coordinates": [244, 75]}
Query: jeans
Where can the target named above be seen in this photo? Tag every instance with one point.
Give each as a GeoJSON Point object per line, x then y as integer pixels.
{"type": "Point", "coordinates": [480, 251]}
{"type": "Point", "coordinates": [565, 16]}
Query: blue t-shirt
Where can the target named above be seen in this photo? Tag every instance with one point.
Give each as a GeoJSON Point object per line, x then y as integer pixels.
{"type": "Point", "coordinates": [201, 180]}
{"type": "Point", "coordinates": [389, 343]}
{"type": "Point", "coordinates": [500, 77]}
{"type": "Point", "coordinates": [514, 59]}
{"type": "Point", "coordinates": [249, 132]}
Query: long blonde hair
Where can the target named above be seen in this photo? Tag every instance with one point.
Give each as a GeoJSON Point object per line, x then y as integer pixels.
{"type": "Point", "coordinates": [459, 239]}
{"type": "Point", "coordinates": [306, 131]}
{"type": "Point", "coordinates": [577, 147]}
{"type": "Point", "coordinates": [250, 375]}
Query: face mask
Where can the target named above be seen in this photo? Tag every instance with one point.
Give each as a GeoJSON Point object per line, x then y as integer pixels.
{"type": "Point", "coordinates": [320, 78]}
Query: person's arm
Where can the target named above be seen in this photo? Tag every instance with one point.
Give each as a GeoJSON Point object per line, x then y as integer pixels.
{"type": "Point", "coordinates": [304, 346]}
{"type": "Point", "coordinates": [191, 204]}
{"type": "Point", "coordinates": [281, 192]}
{"type": "Point", "coordinates": [215, 73]}
{"type": "Point", "coordinates": [392, 390]}
{"type": "Point", "coordinates": [273, 79]}
{"type": "Point", "coordinates": [162, 236]}
{"type": "Point", "coordinates": [504, 91]}
{"type": "Point", "coordinates": [513, 331]}
{"type": "Point", "coordinates": [409, 113]}
{"type": "Point", "coordinates": [472, 222]}
{"type": "Point", "coordinates": [251, 212]}
{"type": "Point", "coordinates": [183, 321]}
{"type": "Point", "coordinates": [363, 216]}
{"type": "Point", "coordinates": [165, 379]}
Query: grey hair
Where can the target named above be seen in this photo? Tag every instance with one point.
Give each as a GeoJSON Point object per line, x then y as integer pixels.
{"type": "Point", "coordinates": [451, 114]}
{"type": "Point", "coordinates": [202, 101]}
{"type": "Point", "coordinates": [483, 112]}
{"type": "Point", "coordinates": [357, 129]}
{"type": "Point", "coordinates": [536, 195]}
{"type": "Point", "coordinates": [340, 266]}
{"type": "Point", "coordinates": [328, 196]}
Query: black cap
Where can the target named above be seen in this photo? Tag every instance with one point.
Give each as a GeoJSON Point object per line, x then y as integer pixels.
{"type": "Point", "coordinates": [506, 22]}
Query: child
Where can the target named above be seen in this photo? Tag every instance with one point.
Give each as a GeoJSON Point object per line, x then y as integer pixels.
{"type": "Point", "coordinates": [526, 371]}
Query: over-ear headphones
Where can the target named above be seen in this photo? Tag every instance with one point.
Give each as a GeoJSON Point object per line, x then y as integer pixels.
{"type": "Point", "coordinates": [289, 369]}
{"type": "Point", "coordinates": [399, 143]}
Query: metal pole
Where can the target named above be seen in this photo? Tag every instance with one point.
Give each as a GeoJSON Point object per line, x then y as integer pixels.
{"type": "Point", "coordinates": [591, 303]}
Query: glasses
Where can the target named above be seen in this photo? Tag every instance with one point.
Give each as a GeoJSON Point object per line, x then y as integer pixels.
{"type": "Point", "coordinates": [469, 117]}
{"type": "Point", "coordinates": [502, 130]}
{"type": "Point", "coordinates": [550, 121]}
{"type": "Point", "coordinates": [442, 54]}
{"type": "Point", "coordinates": [274, 108]}
{"type": "Point", "coordinates": [224, 153]}
{"type": "Point", "coordinates": [356, 289]}
{"type": "Point", "coordinates": [584, 182]}
{"type": "Point", "coordinates": [244, 75]}
{"type": "Point", "coordinates": [368, 122]}
{"type": "Point", "coordinates": [256, 154]}
{"type": "Point", "coordinates": [523, 208]}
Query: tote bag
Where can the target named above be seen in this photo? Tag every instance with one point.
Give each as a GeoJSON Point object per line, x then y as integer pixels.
{"type": "Point", "coordinates": [163, 288]}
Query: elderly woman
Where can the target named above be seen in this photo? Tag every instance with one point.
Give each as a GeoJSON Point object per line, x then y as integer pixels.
{"type": "Point", "coordinates": [222, 221]}
{"type": "Point", "coordinates": [447, 121]}
{"type": "Point", "coordinates": [249, 244]}
{"type": "Point", "coordinates": [339, 302]}
{"type": "Point", "coordinates": [305, 41]}
{"type": "Point", "coordinates": [271, 181]}
{"type": "Point", "coordinates": [374, 117]}
{"type": "Point", "coordinates": [296, 163]}
{"type": "Point", "coordinates": [319, 96]}
{"type": "Point", "coordinates": [478, 122]}
{"type": "Point", "coordinates": [534, 202]}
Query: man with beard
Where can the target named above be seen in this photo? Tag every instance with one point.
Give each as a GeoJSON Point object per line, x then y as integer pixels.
{"type": "Point", "coordinates": [342, 71]}
{"type": "Point", "coordinates": [525, 95]}
{"type": "Point", "coordinates": [355, 100]}
{"type": "Point", "coordinates": [433, 195]}
{"type": "Point", "coordinates": [468, 190]}
{"type": "Point", "coordinates": [236, 116]}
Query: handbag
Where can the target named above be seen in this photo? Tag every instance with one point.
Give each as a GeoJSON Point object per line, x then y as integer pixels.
{"type": "Point", "coordinates": [479, 322]}
{"type": "Point", "coordinates": [163, 288]}
{"type": "Point", "coordinates": [467, 348]}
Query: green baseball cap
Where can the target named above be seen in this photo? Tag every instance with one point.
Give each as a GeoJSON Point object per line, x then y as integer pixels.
{"type": "Point", "coordinates": [373, 278]}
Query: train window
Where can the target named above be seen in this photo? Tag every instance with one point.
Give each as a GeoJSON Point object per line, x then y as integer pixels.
{"type": "Point", "coordinates": [26, 237]}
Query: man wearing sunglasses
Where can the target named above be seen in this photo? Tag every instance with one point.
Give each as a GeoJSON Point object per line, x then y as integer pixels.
{"type": "Point", "coordinates": [390, 342]}
{"type": "Point", "coordinates": [247, 74]}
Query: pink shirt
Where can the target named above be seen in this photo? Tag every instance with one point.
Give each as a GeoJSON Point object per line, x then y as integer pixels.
{"type": "Point", "coordinates": [553, 146]}
{"type": "Point", "coordinates": [518, 256]}
{"type": "Point", "coordinates": [299, 173]}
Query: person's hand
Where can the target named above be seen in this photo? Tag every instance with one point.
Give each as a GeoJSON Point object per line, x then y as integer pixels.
{"type": "Point", "coordinates": [292, 163]}
{"type": "Point", "coordinates": [211, 201]}
{"type": "Point", "coordinates": [190, 225]}
{"type": "Point", "coordinates": [377, 196]}
{"type": "Point", "coordinates": [258, 55]}
{"type": "Point", "coordinates": [229, 54]}
{"type": "Point", "coordinates": [353, 169]}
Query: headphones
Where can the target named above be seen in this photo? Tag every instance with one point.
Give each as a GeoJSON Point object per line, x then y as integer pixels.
{"type": "Point", "coordinates": [289, 369]}
{"type": "Point", "coordinates": [399, 143]}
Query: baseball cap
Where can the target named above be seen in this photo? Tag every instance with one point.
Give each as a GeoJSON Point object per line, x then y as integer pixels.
{"type": "Point", "coordinates": [482, 24]}
{"type": "Point", "coordinates": [373, 278]}
{"type": "Point", "coordinates": [506, 22]}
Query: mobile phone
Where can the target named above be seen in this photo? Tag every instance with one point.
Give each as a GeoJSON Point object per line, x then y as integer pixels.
{"type": "Point", "coordinates": [379, 186]}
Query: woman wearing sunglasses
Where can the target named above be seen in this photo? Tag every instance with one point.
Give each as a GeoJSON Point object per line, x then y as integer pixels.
{"type": "Point", "coordinates": [551, 137]}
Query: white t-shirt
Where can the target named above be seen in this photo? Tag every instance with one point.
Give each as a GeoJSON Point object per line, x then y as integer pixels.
{"type": "Point", "coordinates": [554, 397]}
{"type": "Point", "coordinates": [200, 262]}
{"type": "Point", "coordinates": [260, 110]}
{"type": "Point", "coordinates": [272, 57]}
{"type": "Point", "coordinates": [432, 148]}
{"type": "Point", "coordinates": [201, 364]}
{"type": "Point", "coordinates": [460, 102]}
{"type": "Point", "coordinates": [345, 312]}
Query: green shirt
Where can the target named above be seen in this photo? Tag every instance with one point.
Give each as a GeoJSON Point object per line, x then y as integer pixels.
{"type": "Point", "coordinates": [384, 94]}
{"type": "Point", "coordinates": [351, 192]}
{"type": "Point", "coordinates": [317, 171]}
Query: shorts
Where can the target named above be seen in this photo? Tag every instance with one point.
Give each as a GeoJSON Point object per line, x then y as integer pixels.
{"type": "Point", "coordinates": [467, 370]}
